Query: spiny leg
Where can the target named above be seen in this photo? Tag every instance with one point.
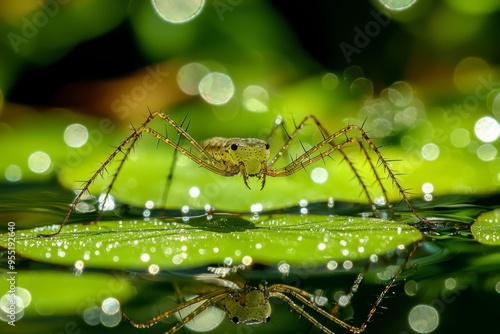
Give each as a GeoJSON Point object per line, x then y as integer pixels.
{"type": "Point", "coordinates": [354, 288]}
{"type": "Point", "coordinates": [301, 311]}
{"type": "Point", "coordinates": [309, 157]}
{"type": "Point", "coordinates": [325, 134]}
{"type": "Point", "coordinates": [130, 140]}
{"type": "Point", "coordinates": [305, 298]}
{"type": "Point", "coordinates": [210, 164]}
{"type": "Point", "coordinates": [209, 300]}
{"type": "Point", "coordinates": [171, 171]}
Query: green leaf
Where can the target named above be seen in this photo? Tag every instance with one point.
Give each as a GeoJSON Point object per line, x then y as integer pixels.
{"type": "Point", "coordinates": [180, 243]}
{"type": "Point", "coordinates": [486, 229]}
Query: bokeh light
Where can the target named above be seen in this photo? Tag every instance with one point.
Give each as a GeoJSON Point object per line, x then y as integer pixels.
{"type": "Point", "coordinates": [423, 318]}
{"type": "Point", "coordinates": [486, 152]}
{"type": "Point", "coordinates": [13, 173]}
{"type": "Point", "coordinates": [76, 135]}
{"type": "Point", "coordinates": [397, 5]}
{"type": "Point", "coordinates": [178, 11]}
{"type": "Point", "coordinates": [319, 175]}
{"type": "Point", "coordinates": [460, 137]}
{"type": "Point", "coordinates": [39, 162]}
{"type": "Point", "coordinates": [487, 129]}
{"type": "Point", "coordinates": [330, 81]}
{"type": "Point", "coordinates": [256, 99]}
{"type": "Point", "coordinates": [430, 152]}
{"type": "Point", "coordinates": [189, 77]}
{"type": "Point", "coordinates": [216, 88]}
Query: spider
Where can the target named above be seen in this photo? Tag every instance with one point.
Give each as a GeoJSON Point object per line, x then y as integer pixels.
{"type": "Point", "coordinates": [250, 157]}
{"type": "Point", "coordinates": [250, 305]}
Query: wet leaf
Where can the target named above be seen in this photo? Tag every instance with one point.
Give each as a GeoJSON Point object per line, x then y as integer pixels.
{"type": "Point", "coordinates": [306, 240]}
{"type": "Point", "coordinates": [486, 229]}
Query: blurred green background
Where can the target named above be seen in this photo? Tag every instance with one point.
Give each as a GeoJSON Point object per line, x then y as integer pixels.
{"type": "Point", "coordinates": [421, 75]}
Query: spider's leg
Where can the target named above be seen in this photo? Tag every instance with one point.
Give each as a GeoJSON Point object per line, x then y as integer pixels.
{"type": "Point", "coordinates": [305, 297]}
{"type": "Point", "coordinates": [319, 152]}
{"type": "Point", "coordinates": [210, 300]}
{"type": "Point", "coordinates": [354, 287]}
{"type": "Point", "coordinates": [324, 132]}
{"type": "Point", "coordinates": [130, 141]}
{"type": "Point", "coordinates": [263, 174]}
{"type": "Point", "coordinates": [170, 175]}
{"type": "Point", "coordinates": [301, 311]}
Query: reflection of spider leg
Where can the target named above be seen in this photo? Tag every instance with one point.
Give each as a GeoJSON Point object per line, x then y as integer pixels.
{"type": "Point", "coordinates": [321, 151]}
{"type": "Point", "coordinates": [353, 288]}
{"type": "Point", "coordinates": [301, 312]}
{"type": "Point", "coordinates": [208, 300]}
{"type": "Point", "coordinates": [283, 292]}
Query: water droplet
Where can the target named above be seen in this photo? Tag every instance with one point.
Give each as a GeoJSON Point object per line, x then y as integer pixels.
{"type": "Point", "coordinates": [106, 202]}
{"type": "Point", "coordinates": [319, 175]}
{"type": "Point", "coordinates": [256, 208]}
{"type": "Point", "coordinates": [347, 264]}
{"type": "Point", "coordinates": [283, 267]}
{"type": "Point", "coordinates": [247, 260]}
{"type": "Point", "coordinates": [427, 187]}
{"type": "Point", "coordinates": [154, 269]}
{"type": "Point", "coordinates": [194, 192]}
{"type": "Point", "coordinates": [145, 257]}
{"type": "Point", "coordinates": [344, 301]}
{"type": "Point", "coordinates": [332, 265]}
{"type": "Point", "coordinates": [79, 265]}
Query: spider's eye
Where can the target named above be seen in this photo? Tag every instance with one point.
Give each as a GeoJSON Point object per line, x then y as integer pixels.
{"type": "Point", "coordinates": [235, 319]}
{"type": "Point", "coordinates": [267, 146]}
{"type": "Point", "coordinates": [234, 147]}
{"type": "Point", "coordinates": [268, 319]}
